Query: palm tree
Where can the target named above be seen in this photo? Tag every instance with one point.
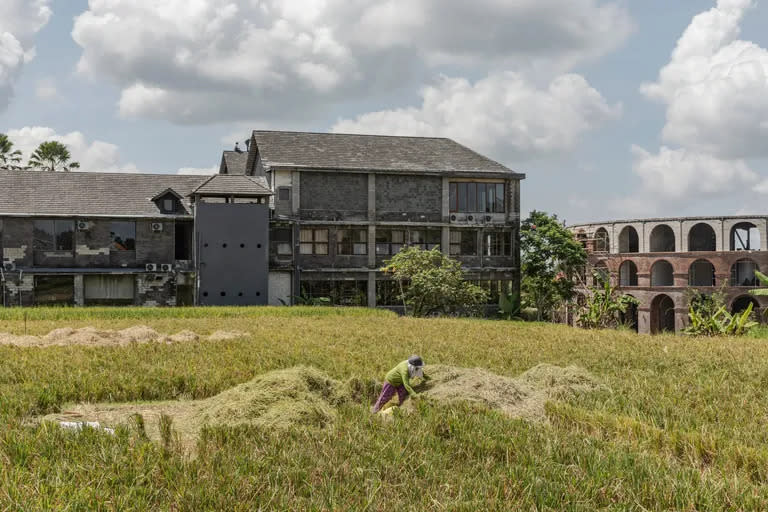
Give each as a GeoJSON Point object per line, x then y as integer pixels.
{"type": "Point", "coordinates": [8, 158]}
{"type": "Point", "coordinates": [52, 156]}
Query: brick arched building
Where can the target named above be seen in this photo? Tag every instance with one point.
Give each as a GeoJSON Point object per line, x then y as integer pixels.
{"type": "Point", "coordinates": [658, 260]}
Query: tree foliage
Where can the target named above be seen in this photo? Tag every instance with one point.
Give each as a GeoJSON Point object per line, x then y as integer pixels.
{"type": "Point", "coordinates": [52, 156]}
{"type": "Point", "coordinates": [9, 158]}
{"type": "Point", "coordinates": [604, 306]}
{"type": "Point", "coordinates": [551, 258]}
{"type": "Point", "coordinates": [763, 282]}
{"type": "Point", "coordinates": [432, 283]}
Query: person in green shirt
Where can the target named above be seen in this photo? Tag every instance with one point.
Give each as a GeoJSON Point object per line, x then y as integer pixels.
{"type": "Point", "coordinates": [398, 380]}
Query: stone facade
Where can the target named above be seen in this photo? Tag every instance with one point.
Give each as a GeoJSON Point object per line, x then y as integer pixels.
{"type": "Point", "coordinates": [706, 254]}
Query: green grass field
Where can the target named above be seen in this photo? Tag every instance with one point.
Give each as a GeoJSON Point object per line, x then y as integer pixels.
{"type": "Point", "coordinates": [683, 427]}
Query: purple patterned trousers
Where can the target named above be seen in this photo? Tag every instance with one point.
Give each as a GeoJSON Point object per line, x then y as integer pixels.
{"type": "Point", "coordinates": [387, 392]}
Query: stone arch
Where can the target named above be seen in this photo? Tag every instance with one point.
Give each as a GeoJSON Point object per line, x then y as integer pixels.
{"type": "Point", "coordinates": [602, 240]}
{"type": "Point", "coordinates": [701, 273]}
{"type": "Point", "coordinates": [662, 239]}
{"type": "Point", "coordinates": [741, 303]}
{"type": "Point", "coordinates": [629, 241]}
{"type": "Point", "coordinates": [662, 314]}
{"type": "Point", "coordinates": [662, 274]}
{"type": "Point", "coordinates": [743, 273]}
{"type": "Point", "coordinates": [628, 274]}
{"type": "Point", "coordinates": [702, 237]}
{"type": "Point", "coordinates": [745, 236]}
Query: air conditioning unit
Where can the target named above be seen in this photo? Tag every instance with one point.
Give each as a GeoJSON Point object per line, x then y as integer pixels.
{"type": "Point", "coordinates": [9, 266]}
{"type": "Point", "coordinates": [157, 226]}
{"type": "Point", "coordinates": [150, 267]}
{"type": "Point", "coordinates": [83, 225]}
{"type": "Point", "coordinates": [166, 267]}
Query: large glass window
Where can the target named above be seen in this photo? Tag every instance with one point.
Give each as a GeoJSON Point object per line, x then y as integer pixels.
{"type": "Point", "coordinates": [472, 197]}
{"type": "Point", "coordinates": [425, 239]}
{"type": "Point", "coordinates": [464, 243]}
{"type": "Point", "coordinates": [337, 293]}
{"type": "Point", "coordinates": [281, 241]}
{"type": "Point", "coordinates": [389, 241]}
{"type": "Point", "coordinates": [497, 243]}
{"type": "Point", "coordinates": [352, 242]}
{"type": "Point", "coordinates": [54, 290]}
{"type": "Point", "coordinates": [54, 235]}
{"type": "Point", "coordinates": [314, 241]}
{"type": "Point", "coordinates": [109, 290]}
{"type": "Point", "coordinates": [123, 235]}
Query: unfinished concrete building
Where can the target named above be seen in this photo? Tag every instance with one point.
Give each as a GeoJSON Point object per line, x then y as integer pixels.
{"type": "Point", "coordinates": [658, 261]}
{"type": "Point", "coordinates": [297, 217]}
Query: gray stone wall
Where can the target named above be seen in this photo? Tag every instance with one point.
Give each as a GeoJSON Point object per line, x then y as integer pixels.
{"type": "Point", "coordinates": [409, 198]}
{"type": "Point", "coordinates": [334, 196]}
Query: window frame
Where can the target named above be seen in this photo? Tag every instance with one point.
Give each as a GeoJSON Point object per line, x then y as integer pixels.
{"type": "Point", "coordinates": [54, 243]}
{"type": "Point", "coordinates": [491, 245]}
{"type": "Point", "coordinates": [112, 232]}
{"type": "Point", "coordinates": [315, 243]}
{"type": "Point", "coordinates": [389, 243]}
{"type": "Point", "coordinates": [477, 197]}
{"type": "Point", "coordinates": [456, 247]}
{"type": "Point", "coordinates": [357, 240]}
{"type": "Point", "coordinates": [435, 235]}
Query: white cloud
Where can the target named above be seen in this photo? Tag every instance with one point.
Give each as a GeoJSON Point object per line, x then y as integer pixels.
{"type": "Point", "coordinates": [46, 89]}
{"type": "Point", "coordinates": [20, 20]}
{"type": "Point", "coordinates": [716, 87]}
{"type": "Point", "coordinates": [504, 114]}
{"type": "Point", "coordinates": [205, 171]}
{"type": "Point", "coordinates": [93, 156]}
{"type": "Point", "coordinates": [213, 60]}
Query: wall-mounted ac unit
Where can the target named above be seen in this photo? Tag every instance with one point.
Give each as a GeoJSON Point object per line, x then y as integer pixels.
{"type": "Point", "coordinates": [157, 226]}
{"type": "Point", "coordinates": [166, 267]}
{"type": "Point", "coordinates": [83, 225]}
{"type": "Point", "coordinates": [150, 267]}
{"type": "Point", "coordinates": [9, 266]}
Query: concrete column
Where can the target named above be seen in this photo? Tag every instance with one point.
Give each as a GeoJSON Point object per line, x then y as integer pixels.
{"type": "Point", "coordinates": [296, 192]}
{"type": "Point", "coordinates": [79, 290]}
{"type": "Point", "coordinates": [445, 241]}
{"type": "Point", "coordinates": [681, 319]}
{"type": "Point", "coordinates": [644, 321]}
{"type": "Point", "coordinates": [372, 289]}
{"type": "Point", "coordinates": [371, 197]}
{"type": "Point", "coordinates": [446, 203]}
{"type": "Point", "coordinates": [371, 246]}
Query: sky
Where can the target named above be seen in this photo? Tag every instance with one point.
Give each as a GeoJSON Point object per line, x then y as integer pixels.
{"type": "Point", "coordinates": [612, 108]}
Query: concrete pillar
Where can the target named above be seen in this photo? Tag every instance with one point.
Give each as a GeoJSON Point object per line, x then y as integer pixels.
{"type": "Point", "coordinates": [372, 289]}
{"type": "Point", "coordinates": [445, 241]}
{"type": "Point", "coordinates": [296, 189]}
{"type": "Point", "coordinates": [371, 197]}
{"type": "Point", "coordinates": [371, 246]}
{"type": "Point", "coordinates": [79, 290]}
{"type": "Point", "coordinates": [681, 319]}
{"type": "Point", "coordinates": [644, 321]}
{"type": "Point", "coordinates": [446, 203]}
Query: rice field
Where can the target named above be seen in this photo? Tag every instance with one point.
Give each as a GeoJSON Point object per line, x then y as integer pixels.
{"type": "Point", "coordinates": [680, 423]}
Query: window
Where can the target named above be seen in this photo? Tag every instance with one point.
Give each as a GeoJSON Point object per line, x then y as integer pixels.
{"type": "Point", "coordinates": [54, 235]}
{"type": "Point", "coordinates": [54, 290]}
{"type": "Point", "coordinates": [464, 243]}
{"type": "Point", "coordinates": [109, 290]}
{"type": "Point", "coordinates": [494, 288]}
{"type": "Point", "coordinates": [476, 197]}
{"type": "Point", "coordinates": [389, 242]}
{"type": "Point", "coordinates": [314, 241]}
{"type": "Point", "coordinates": [743, 273]}
{"type": "Point", "coordinates": [497, 243]}
{"type": "Point", "coordinates": [336, 293]}
{"type": "Point", "coordinates": [283, 194]}
{"type": "Point", "coordinates": [123, 236]}
{"type": "Point", "coordinates": [352, 242]}
{"type": "Point", "coordinates": [425, 239]}
{"type": "Point", "coordinates": [183, 242]}
{"type": "Point", "coordinates": [281, 240]}
{"type": "Point", "coordinates": [169, 205]}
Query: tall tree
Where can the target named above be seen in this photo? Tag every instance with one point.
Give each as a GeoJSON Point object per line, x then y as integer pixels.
{"type": "Point", "coordinates": [9, 158]}
{"type": "Point", "coordinates": [52, 156]}
{"type": "Point", "coordinates": [551, 257]}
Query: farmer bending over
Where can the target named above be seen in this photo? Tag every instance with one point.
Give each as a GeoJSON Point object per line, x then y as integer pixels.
{"type": "Point", "coordinates": [398, 379]}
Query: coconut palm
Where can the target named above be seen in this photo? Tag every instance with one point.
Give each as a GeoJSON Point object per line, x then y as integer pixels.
{"type": "Point", "coordinates": [9, 158]}
{"type": "Point", "coordinates": [52, 156]}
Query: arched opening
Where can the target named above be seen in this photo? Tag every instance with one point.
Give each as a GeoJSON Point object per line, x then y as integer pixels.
{"type": "Point", "coordinates": [628, 240]}
{"type": "Point", "coordinates": [602, 242]}
{"type": "Point", "coordinates": [629, 317]}
{"type": "Point", "coordinates": [701, 273]}
{"type": "Point", "coordinates": [601, 274]}
{"type": "Point", "coordinates": [745, 237]}
{"type": "Point", "coordinates": [628, 274]}
{"type": "Point", "coordinates": [740, 304]}
{"type": "Point", "coordinates": [702, 237]}
{"type": "Point", "coordinates": [662, 274]}
{"type": "Point", "coordinates": [662, 314]}
{"type": "Point", "coordinates": [743, 273]}
{"type": "Point", "coordinates": [662, 239]}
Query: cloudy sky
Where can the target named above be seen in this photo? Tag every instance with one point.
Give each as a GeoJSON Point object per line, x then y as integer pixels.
{"type": "Point", "coordinates": [613, 108]}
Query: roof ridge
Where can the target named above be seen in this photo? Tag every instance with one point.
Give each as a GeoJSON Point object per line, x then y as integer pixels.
{"type": "Point", "coordinates": [99, 173]}
{"type": "Point", "coordinates": [355, 134]}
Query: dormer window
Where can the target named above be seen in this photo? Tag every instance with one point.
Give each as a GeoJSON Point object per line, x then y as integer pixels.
{"type": "Point", "coordinates": [168, 201]}
{"type": "Point", "coordinates": [169, 205]}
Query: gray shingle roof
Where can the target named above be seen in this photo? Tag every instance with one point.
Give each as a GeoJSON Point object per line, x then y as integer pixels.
{"type": "Point", "coordinates": [89, 193]}
{"type": "Point", "coordinates": [225, 184]}
{"type": "Point", "coordinates": [369, 152]}
{"type": "Point", "coordinates": [233, 162]}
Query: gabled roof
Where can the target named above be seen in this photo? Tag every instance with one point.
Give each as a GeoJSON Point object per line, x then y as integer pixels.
{"type": "Point", "coordinates": [166, 192]}
{"type": "Point", "coordinates": [369, 152]}
{"type": "Point", "coordinates": [228, 185]}
{"type": "Point", "coordinates": [89, 193]}
{"type": "Point", "coordinates": [233, 162]}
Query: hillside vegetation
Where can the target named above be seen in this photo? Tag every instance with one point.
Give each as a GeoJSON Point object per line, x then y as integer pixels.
{"type": "Point", "coordinates": [677, 423]}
